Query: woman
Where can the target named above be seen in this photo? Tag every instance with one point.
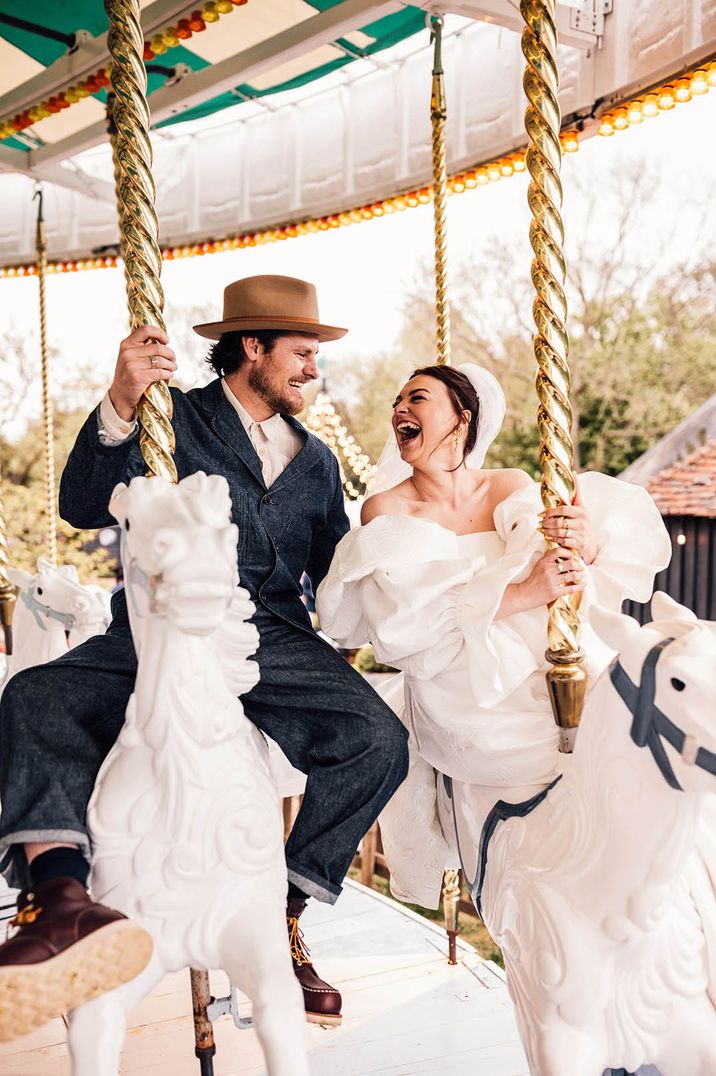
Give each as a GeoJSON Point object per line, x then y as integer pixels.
{"type": "Point", "coordinates": [449, 577]}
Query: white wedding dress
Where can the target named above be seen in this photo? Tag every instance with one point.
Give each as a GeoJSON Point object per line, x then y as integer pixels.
{"type": "Point", "coordinates": [472, 689]}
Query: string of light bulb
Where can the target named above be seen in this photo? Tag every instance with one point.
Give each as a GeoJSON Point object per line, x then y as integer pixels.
{"type": "Point", "coordinates": [323, 420]}
{"type": "Point", "coordinates": [661, 98]}
{"type": "Point", "coordinates": [480, 176]}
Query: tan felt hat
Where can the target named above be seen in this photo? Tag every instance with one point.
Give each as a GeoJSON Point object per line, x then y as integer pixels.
{"type": "Point", "coordinates": [270, 302]}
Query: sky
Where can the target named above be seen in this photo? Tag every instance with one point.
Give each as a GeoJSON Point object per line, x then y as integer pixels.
{"type": "Point", "coordinates": [363, 271]}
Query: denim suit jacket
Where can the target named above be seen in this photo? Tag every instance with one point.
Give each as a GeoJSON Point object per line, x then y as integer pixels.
{"type": "Point", "coordinates": [292, 527]}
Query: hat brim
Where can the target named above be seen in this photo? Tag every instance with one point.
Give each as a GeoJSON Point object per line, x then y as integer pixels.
{"type": "Point", "coordinates": [213, 330]}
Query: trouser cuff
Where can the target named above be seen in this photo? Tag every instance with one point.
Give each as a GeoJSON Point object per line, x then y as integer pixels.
{"type": "Point", "coordinates": [311, 884]}
{"type": "Point", "coordinates": [13, 863]}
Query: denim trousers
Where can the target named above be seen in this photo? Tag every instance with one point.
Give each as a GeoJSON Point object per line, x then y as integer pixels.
{"type": "Point", "coordinates": [59, 721]}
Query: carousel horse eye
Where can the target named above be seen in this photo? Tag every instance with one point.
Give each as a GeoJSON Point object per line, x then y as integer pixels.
{"type": "Point", "coordinates": [39, 590]}
{"type": "Point", "coordinates": [126, 526]}
{"type": "Point", "coordinates": [678, 685]}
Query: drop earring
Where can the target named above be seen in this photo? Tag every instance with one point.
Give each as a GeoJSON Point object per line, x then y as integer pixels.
{"type": "Point", "coordinates": [457, 438]}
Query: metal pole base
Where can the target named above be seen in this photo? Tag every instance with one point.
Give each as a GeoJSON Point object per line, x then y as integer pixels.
{"type": "Point", "coordinates": [203, 1030]}
{"type": "Point", "coordinates": [206, 1061]}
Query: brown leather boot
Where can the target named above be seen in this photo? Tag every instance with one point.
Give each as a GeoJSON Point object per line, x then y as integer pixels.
{"type": "Point", "coordinates": [67, 950]}
{"type": "Point", "coordinates": [322, 1001]}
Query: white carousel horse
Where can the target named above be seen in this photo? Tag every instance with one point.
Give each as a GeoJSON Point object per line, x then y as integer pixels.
{"type": "Point", "coordinates": [603, 897]}
{"type": "Point", "coordinates": [185, 821]}
{"type": "Point", "coordinates": [51, 603]}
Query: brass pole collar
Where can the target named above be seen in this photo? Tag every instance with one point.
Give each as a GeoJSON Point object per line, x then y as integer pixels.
{"type": "Point", "coordinates": [438, 104]}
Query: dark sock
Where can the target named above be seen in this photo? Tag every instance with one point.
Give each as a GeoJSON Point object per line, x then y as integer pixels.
{"type": "Point", "coordinates": [59, 863]}
{"type": "Point", "coordinates": [294, 893]}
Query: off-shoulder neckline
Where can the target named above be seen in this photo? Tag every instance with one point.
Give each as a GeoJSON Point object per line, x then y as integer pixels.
{"type": "Point", "coordinates": [429, 523]}
{"type": "Point", "coordinates": [434, 523]}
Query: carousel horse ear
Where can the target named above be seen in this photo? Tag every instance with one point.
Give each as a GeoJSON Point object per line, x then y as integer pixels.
{"type": "Point", "coordinates": [617, 630]}
{"type": "Point", "coordinates": [116, 503]}
{"type": "Point", "coordinates": [665, 610]}
{"type": "Point", "coordinates": [20, 578]}
{"type": "Point", "coordinates": [69, 572]}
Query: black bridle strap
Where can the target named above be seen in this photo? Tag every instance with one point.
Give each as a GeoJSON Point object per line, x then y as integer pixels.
{"type": "Point", "coordinates": [651, 725]}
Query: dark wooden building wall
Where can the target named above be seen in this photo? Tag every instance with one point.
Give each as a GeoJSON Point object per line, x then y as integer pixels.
{"type": "Point", "coordinates": [691, 576]}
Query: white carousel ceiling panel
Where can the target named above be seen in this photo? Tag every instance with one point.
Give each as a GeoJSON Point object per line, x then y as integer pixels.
{"type": "Point", "coordinates": [15, 66]}
{"type": "Point", "coordinates": [365, 134]}
{"type": "Point", "coordinates": [656, 34]}
{"type": "Point", "coordinates": [294, 68]}
{"type": "Point", "coordinates": [247, 26]}
{"type": "Point", "coordinates": [375, 150]}
{"type": "Point", "coordinates": [65, 123]}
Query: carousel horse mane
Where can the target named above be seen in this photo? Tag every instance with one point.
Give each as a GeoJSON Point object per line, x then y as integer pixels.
{"type": "Point", "coordinates": [612, 878]}
{"type": "Point", "coordinates": [52, 603]}
{"type": "Point", "coordinates": [185, 821]}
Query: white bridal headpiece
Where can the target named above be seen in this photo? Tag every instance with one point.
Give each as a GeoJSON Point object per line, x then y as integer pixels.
{"type": "Point", "coordinates": [392, 470]}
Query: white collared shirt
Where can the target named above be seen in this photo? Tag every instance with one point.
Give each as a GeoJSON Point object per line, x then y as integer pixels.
{"type": "Point", "coordinates": [276, 442]}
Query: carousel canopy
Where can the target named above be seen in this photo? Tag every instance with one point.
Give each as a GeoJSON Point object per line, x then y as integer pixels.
{"type": "Point", "coordinates": [273, 112]}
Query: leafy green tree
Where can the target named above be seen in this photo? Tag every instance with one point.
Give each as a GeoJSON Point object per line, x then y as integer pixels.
{"type": "Point", "coordinates": [642, 351]}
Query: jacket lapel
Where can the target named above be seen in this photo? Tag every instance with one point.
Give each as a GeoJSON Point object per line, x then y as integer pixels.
{"type": "Point", "coordinates": [228, 427]}
{"type": "Point", "coordinates": [306, 457]}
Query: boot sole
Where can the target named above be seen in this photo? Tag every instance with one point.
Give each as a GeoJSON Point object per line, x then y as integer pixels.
{"type": "Point", "coordinates": [324, 1021]}
{"type": "Point", "coordinates": [33, 994]}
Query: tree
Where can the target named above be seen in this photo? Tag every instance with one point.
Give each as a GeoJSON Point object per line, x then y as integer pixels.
{"type": "Point", "coordinates": [642, 342]}
{"type": "Point", "coordinates": [25, 518]}
{"type": "Point", "coordinates": [22, 465]}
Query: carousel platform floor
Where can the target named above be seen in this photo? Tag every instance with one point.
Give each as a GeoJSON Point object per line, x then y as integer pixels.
{"type": "Point", "coordinates": [406, 1011]}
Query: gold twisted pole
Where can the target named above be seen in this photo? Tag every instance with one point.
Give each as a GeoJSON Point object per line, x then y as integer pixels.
{"type": "Point", "coordinates": [47, 412]}
{"type": "Point", "coordinates": [7, 591]}
{"type": "Point", "coordinates": [139, 227]}
{"type": "Point", "coordinates": [438, 117]}
{"type": "Point", "coordinates": [566, 678]}
{"type": "Point", "coordinates": [112, 133]}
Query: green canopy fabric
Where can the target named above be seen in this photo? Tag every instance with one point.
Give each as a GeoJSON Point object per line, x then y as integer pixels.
{"type": "Point", "coordinates": [68, 16]}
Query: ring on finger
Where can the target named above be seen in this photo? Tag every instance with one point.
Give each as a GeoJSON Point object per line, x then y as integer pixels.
{"type": "Point", "coordinates": [567, 531]}
{"type": "Point", "coordinates": [153, 361]}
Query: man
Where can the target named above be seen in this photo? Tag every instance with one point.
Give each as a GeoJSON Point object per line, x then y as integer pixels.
{"type": "Point", "coordinates": [59, 721]}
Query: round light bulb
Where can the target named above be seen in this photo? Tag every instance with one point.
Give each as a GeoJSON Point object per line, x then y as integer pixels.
{"type": "Point", "coordinates": [650, 106]}
{"type": "Point", "coordinates": [635, 113]}
{"type": "Point", "coordinates": [606, 127]}
{"type": "Point", "coordinates": [570, 142]}
{"type": "Point", "coordinates": [711, 74]}
{"type": "Point", "coordinates": [666, 98]}
{"type": "Point", "coordinates": [699, 83]}
{"type": "Point", "coordinates": [682, 90]}
{"type": "Point", "coordinates": [620, 119]}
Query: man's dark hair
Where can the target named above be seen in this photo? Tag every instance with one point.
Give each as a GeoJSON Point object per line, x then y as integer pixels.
{"type": "Point", "coordinates": [227, 354]}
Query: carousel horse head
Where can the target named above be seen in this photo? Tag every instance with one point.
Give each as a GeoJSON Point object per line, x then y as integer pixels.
{"type": "Point", "coordinates": [178, 549]}
{"type": "Point", "coordinates": [56, 600]}
{"type": "Point", "coordinates": [665, 676]}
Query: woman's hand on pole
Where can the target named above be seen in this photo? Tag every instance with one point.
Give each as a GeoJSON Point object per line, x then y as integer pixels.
{"type": "Point", "coordinates": [143, 357]}
{"type": "Point", "coordinates": [570, 528]}
{"type": "Point", "coordinates": [557, 572]}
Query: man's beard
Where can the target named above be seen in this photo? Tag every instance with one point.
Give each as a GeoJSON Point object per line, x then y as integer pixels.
{"type": "Point", "coordinates": [272, 397]}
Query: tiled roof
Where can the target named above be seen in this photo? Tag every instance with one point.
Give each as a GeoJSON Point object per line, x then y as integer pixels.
{"type": "Point", "coordinates": [689, 487]}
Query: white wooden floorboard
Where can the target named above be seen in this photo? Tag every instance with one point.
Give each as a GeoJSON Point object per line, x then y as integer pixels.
{"type": "Point", "coordinates": [406, 1011]}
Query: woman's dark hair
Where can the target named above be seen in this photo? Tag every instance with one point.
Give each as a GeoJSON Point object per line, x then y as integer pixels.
{"type": "Point", "coordinates": [463, 397]}
{"type": "Point", "coordinates": [227, 354]}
